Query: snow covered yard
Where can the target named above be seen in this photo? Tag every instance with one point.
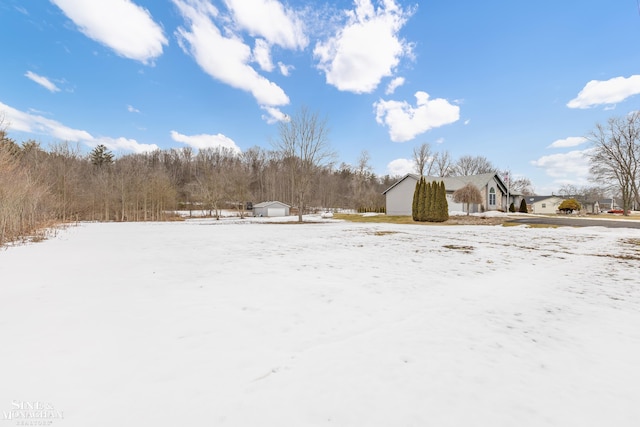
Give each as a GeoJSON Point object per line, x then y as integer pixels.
{"type": "Point", "coordinates": [246, 323]}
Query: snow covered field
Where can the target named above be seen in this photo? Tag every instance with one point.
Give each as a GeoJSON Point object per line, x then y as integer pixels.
{"type": "Point", "coordinates": [245, 323]}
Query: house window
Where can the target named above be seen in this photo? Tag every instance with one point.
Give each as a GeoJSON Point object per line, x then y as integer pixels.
{"type": "Point", "coordinates": [492, 196]}
{"type": "Point", "coordinates": [544, 205]}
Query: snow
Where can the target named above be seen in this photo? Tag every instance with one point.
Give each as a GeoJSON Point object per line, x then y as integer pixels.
{"type": "Point", "coordinates": [255, 323]}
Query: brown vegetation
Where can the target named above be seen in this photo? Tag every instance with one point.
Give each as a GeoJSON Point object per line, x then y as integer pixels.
{"type": "Point", "coordinates": [40, 187]}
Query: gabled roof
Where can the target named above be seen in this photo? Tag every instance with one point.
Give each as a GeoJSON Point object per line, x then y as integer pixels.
{"type": "Point", "coordinates": [453, 183]}
{"type": "Point", "coordinates": [536, 199]}
{"type": "Point", "coordinates": [265, 204]}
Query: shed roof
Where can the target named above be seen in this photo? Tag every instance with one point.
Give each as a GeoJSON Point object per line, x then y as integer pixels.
{"type": "Point", "coordinates": [269, 203]}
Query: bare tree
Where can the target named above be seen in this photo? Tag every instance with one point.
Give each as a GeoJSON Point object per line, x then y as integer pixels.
{"type": "Point", "coordinates": [442, 164]}
{"type": "Point", "coordinates": [468, 194]}
{"type": "Point", "coordinates": [615, 158]}
{"type": "Point", "coordinates": [422, 159]}
{"type": "Point", "coordinates": [472, 165]}
{"type": "Point", "coordinates": [303, 142]}
{"type": "Point", "coordinates": [522, 186]}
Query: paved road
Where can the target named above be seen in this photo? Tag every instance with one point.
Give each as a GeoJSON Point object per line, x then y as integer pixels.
{"type": "Point", "coordinates": [570, 221]}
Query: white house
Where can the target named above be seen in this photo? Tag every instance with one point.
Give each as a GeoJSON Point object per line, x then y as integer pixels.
{"type": "Point", "coordinates": [272, 208]}
{"type": "Point", "coordinates": [543, 204]}
{"type": "Point", "coordinates": [399, 197]}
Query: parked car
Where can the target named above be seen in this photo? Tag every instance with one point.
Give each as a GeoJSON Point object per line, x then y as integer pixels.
{"type": "Point", "coordinates": [616, 211]}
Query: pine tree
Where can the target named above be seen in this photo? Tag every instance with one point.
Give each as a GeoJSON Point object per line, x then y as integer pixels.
{"type": "Point", "coordinates": [443, 205]}
{"type": "Point", "coordinates": [422, 199]}
{"type": "Point", "coordinates": [512, 207]}
{"type": "Point", "coordinates": [416, 198]}
{"type": "Point", "coordinates": [523, 207]}
{"type": "Point", "coordinates": [428, 202]}
{"type": "Point", "coordinates": [101, 156]}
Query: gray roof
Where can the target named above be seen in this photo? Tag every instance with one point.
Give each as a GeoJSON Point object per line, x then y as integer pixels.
{"type": "Point", "coordinates": [265, 204]}
{"type": "Point", "coordinates": [535, 199]}
{"type": "Point", "coordinates": [453, 183]}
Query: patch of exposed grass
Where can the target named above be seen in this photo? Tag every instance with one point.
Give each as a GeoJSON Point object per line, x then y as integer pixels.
{"type": "Point", "coordinates": [632, 242]}
{"type": "Point", "coordinates": [463, 248]}
{"type": "Point", "coordinates": [383, 233]}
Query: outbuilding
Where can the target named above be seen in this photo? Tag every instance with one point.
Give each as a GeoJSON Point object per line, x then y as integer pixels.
{"type": "Point", "coordinates": [270, 209]}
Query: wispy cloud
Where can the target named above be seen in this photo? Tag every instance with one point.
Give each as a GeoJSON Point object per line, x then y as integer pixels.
{"type": "Point", "coordinates": [205, 141]}
{"type": "Point", "coordinates": [572, 141]}
{"type": "Point", "coordinates": [262, 54]}
{"type": "Point", "coordinates": [274, 115]}
{"type": "Point", "coordinates": [393, 85]}
{"type": "Point", "coordinates": [132, 109]}
{"type": "Point", "coordinates": [366, 48]}
{"type": "Point", "coordinates": [225, 57]}
{"type": "Point", "coordinates": [405, 121]}
{"type": "Point", "coordinates": [126, 28]}
{"type": "Point", "coordinates": [401, 167]}
{"type": "Point", "coordinates": [285, 69]}
{"type": "Point", "coordinates": [42, 81]}
{"type": "Point", "coordinates": [599, 92]}
{"type": "Point", "coordinates": [283, 26]}
{"type": "Point", "coordinates": [33, 123]}
{"type": "Point", "coordinates": [571, 167]}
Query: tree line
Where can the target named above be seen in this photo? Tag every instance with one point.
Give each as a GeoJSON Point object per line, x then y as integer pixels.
{"type": "Point", "coordinates": [43, 186]}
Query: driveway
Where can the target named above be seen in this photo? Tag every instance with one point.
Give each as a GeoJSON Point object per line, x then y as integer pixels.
{"type": "Point", "coordinates": [572, 221]}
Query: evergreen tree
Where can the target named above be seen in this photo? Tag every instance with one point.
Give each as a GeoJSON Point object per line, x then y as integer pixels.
{"type": "Point", "coordinates": [428, 202]}
{"type": "Point", "coordinates": [101, 156]}
{"type": "Point", "coordinates": [424, 189]}
{"type": "Point", "coordinates": [416, 198]}
{"type": "Point", "coordinates": [443, 205]}
{"type": "Point", "coordinates": [523, 207]}
{"type": "Point", "coordinates": [512, 207]}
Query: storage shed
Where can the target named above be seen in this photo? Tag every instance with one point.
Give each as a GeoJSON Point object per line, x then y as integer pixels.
{"type": "Point", "coordinates": [273, 208]}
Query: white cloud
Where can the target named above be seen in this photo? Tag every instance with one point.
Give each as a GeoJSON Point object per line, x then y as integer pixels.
{"type": "Point", "coordinates": [42, 81]}
{"type": "Point", "coordinates": [262, 55]}
{"type": "Point", "coordinates": [32, 123]}
{"type": "Point", "coordinates": [466, 122]}
{"type": "Point", "coordinates": [205, 141]}
{"type": "Point", "coordinates": [366, 49]}
{"type": "Point", "coordinates": [126, 28]}
{"type": "Point", "coordinates": [124, 144]}
{"type": "Point", "coordinates": [285, 70]}
{"type": "Point", "coordinates": [572, 141]}
{"type": "Point", "coordinates": [571, 167]}
{"type": "Point", "coordinates": [611, 91]}
{"type": "Point", "coordinates": [405, 122]}
{"type": "Point", "coordinates": [271, 20]}
{"type": "Point", "coordinates": [132, 109]}
{"type": "Point", "coordinates": [394, 84]}
{"type": "Point", "coordinates": [224, 58]}
{"type": "Point", "coordinates": [401, 167]}
{"type": "Point", "coordinates": [274, 115]}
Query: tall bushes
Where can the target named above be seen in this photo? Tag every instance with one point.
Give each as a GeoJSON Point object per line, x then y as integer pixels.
{"type": "Point", "coordinates": [430, 202]}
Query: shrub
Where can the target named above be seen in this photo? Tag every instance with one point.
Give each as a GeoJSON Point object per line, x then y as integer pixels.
{"type": "Point", "coordinates": [523, 207]}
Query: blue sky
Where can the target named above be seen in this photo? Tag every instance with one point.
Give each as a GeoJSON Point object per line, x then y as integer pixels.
{"type": "Point", "coordinates": [520, 83]}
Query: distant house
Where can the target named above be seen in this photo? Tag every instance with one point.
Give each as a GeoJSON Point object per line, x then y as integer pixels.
{"type": "Point", "coordinates": [271, 209]}
{"type": "Point", "coordinates": [399, 197]}
{"type": "Point", "coordinates": [609, 204]}
{"type": "Point", "coordinates": [543, 204]}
